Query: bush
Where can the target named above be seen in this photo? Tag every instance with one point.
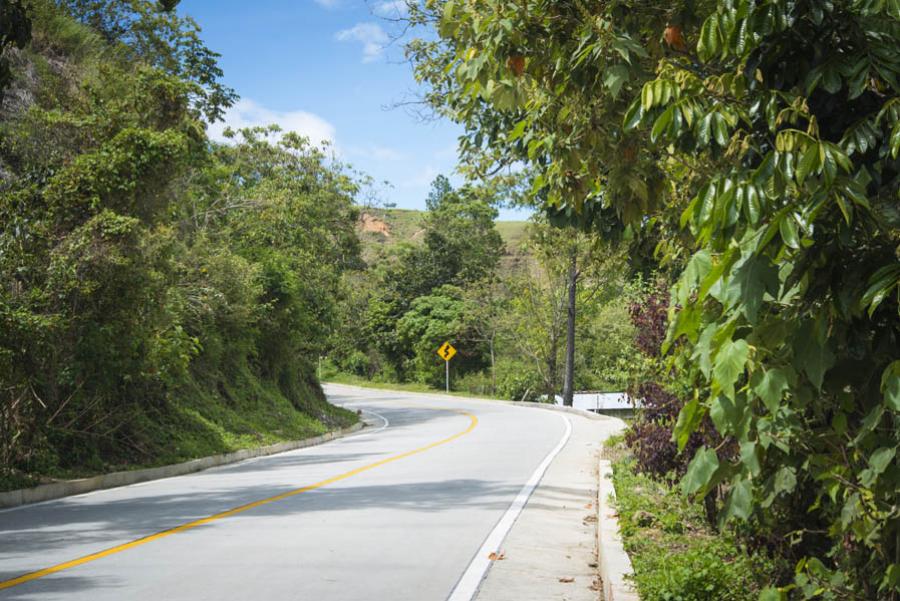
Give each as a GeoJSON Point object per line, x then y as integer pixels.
{"type": "Point", "coordinates": [478, 383]}
{"type": "Point", "coordinates": [695, 575]}
{"type": "Point", "coordinates": [676, 555]}
{"type": "Point", "coordinates": [517, 382]}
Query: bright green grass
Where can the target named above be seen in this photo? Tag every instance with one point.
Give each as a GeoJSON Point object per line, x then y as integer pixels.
{"type": "Point", "coordinates": [353, 380]}
{"type": "Point", "coordinates": [675, 553]}
{"type": "Point", "coordinates": [240, 412]}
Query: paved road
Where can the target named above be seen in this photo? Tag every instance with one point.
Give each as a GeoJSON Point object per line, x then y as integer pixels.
{"type": "Point", "coordinates": [396, 512]}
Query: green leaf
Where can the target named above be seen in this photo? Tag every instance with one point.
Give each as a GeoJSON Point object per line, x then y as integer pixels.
{"type": "Point", "coordinates": [633, 115]}
{"type": "Point", "coordinates": [518, 130]}
{"type": "Point", "coordinates": [688, 420]}
{"type": "Point", "coordinates": [662, 123]}
{"type": "Point", "coordinates": [614, 78]}
{"type": "Point", "coordinates": [686, 323]}
{"type": "Point", "coordinates": [809, 163]}
{"type": "Point", "coordinates": [890, 385]}
{"type": "Point", "coordinates": [829, 163]}
{"type": "Point", "coordinates": [770, 387]}
{"type": "Point", "coordinates": [700, 471]}
{"type": "Point", "coordinates": [694, 272]}
{"type": "Point", "coordinates": [708, 44]}
{"type": "Point", "coordinates": [749, 457]}
{"type": "Point", "coordinates": [785, 480]}
{"type": "Point", "coordinates": [720, 130]}
{"type": "Point", "coordinates": [729, 365]}
{"type": "Point", "coordinates": [895, 141]}
{"type": "Point", "coordinates": [702, 349]}
{"type": "Point", "coordinates": [748, 284]}
{"type": "Point", "coordinates": [729, 416]}
{"type": "Point", "coordinates": [772, 594]}
{"type": "Point", "coordinates": [704, 130]}
{"type": "Point", "coordinates": [811, 353]}
{"type": "Point", "coordinates": [647, 98]}
{"type": "Point", "coordinates": [740, 501]}
{"type": "Point", "coordinates": [880, 459]}
{"type": "Point", "coordinates": [880, 285]}
{"type": "Point", "coordinates": [788, 228]}
{"type": "Point", "coordinates": [871, 421]}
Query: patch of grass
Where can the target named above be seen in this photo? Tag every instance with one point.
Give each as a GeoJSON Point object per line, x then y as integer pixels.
{"type": "Point", "coordinates": [513, 234]}
{"type": "Point", "coordinates": [676, 555]}
{"type": "Point", "coordinates": [353, 380]}
{"type": "Point", "coordinates": [407, 225]}
{"type": "Point", "coordinates": [205, 418]}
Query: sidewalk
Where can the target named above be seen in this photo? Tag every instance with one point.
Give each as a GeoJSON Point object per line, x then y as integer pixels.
{"type": "Point", "coordinates": [551, 552]}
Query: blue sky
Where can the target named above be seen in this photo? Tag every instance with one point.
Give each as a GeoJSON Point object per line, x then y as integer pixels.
{"type": "Point", "coordinates": [327, 69]}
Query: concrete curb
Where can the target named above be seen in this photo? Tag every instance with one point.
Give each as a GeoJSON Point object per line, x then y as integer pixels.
{"type": "Point", "coordinates": [67, 488]}
{"type": "Point", "coordinates": [615, 565]}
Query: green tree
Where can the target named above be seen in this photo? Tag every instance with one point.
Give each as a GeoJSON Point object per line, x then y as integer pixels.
{"type": "Point", "coordinates": [163, 296]}
{"type": "Point", "coordinates": [758, 142]}
{"type": "Point", "coordinates": [15, 32]}
{"type": "Point", "coordinates": [432, 320]}
{"type": "Point", "coordinates": [153, 32]}
{"type": "Point", "coordinates": [460, 245]}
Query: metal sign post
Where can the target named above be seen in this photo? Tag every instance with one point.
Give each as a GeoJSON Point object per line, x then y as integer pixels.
{"type": "Point", "coordinates": [446, 353]}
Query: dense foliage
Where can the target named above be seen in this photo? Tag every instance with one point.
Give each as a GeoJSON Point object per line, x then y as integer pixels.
{"type": "Point", "coordinates": [162, 296]}
{"type": "Point", "coordinates": [675, 552]}
{"type": "Point", "coordinates": [503, 307]}
{"type": "Point", "coordinates": [757, 143]}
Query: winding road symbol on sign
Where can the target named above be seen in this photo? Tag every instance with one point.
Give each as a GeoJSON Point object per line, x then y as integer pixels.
{"type": "Point", "coordinates": [446, 351]}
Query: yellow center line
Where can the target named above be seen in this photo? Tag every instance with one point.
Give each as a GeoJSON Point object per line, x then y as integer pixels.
{"type": "Point", "coordinates": [473, 421]}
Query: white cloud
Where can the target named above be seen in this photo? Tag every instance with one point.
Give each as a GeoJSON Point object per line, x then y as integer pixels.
{"type": "Point", "coordinates": [247, 113]}
{"type": "Point", "coordinates": [372, 37]}
{"type": "Point", "coordinates": [328, 3]}
{"type": "Point", "coordinates": [391, 8]}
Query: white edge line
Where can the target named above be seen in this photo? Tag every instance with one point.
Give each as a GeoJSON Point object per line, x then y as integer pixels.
{"type": "Point", "coordinates": [370, 432]}
{"type": "Point", "coordinates": [468, 584]}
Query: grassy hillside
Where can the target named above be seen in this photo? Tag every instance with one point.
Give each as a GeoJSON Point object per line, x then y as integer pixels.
{"type": "Point", "coordinates": [382, 228]}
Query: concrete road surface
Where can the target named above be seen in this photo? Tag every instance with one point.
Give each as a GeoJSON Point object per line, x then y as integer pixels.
{"type": "Point", "coordinates": [398, 511]}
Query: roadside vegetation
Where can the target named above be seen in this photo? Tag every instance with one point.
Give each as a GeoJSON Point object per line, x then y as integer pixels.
{"type": "Point", "coordinates": [162, 296]}
{"type": "Point", "coordinates": [717, 231]}
{"type": "Point", "coordinates": [749, 151]}
{"type": "Point", "coordinates": [676, 554]}
{"type": "Point", "coordinates": [449, 275]}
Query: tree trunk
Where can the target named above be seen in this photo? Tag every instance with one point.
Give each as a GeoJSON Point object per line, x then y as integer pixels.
{"type": "Point", "coordinates": [569, 381]}
{"type": "Point", "coordinates": [493, 369]}
{"type": "Point", "coordinates": [551, 379]}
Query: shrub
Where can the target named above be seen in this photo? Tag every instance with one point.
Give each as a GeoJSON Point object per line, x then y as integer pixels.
{"type": "Point", "coordinates": [676, 555]}
{"type": "Point", "coordinates": [516, 382]}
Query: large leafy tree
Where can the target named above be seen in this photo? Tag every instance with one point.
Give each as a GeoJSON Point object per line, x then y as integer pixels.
{"type": "Point", "coordinates": [459, 246]}
{"type": "Point", "coordinates": [758, 143]}
{"type": "Point", "coordinates": [153, 32]}
{"type": "Point", "coordinates": [15, 31]}
{"type": "Point", "coordinates": [156, 286]}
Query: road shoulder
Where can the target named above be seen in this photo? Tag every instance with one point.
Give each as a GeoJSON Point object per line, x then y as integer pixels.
{"type": "Point", "coordinates": [551, 552]}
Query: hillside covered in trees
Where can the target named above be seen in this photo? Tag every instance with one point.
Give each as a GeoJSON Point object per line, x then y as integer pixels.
{"type": "Point", "coordinates": [498, 291]}
{"type": "Point", "coordinates": [163, 297]}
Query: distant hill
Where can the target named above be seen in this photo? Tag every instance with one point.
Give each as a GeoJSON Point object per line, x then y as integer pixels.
{"type": "Point", "coordinates": [383, 228]}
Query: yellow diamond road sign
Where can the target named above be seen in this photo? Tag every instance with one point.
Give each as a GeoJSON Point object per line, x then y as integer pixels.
{"type": "Point", "coordinates": [446, 351]}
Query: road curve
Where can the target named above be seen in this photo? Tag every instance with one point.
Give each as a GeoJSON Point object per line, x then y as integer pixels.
{"type": "Point", "coordinates": [398, 511]}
